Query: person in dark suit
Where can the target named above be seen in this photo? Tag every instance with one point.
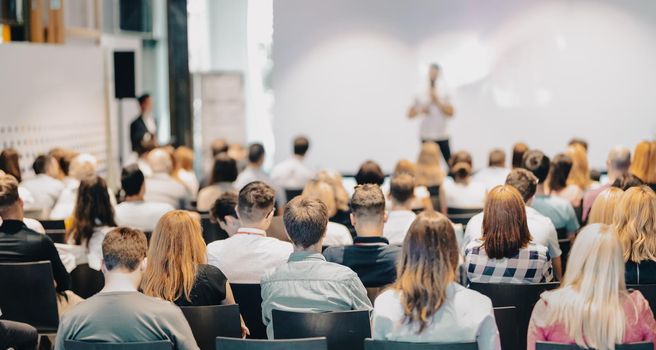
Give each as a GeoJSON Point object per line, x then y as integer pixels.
{"type": "Point", "coordinates": [143, 129]}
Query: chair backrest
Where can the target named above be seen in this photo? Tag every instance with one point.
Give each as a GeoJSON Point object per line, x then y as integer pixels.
{"type": "Point", "coordinates": [249, 299]}
{"type": "Point", "coordinates": [648, 291]}
{"type": "Point", "coordinates": [434, 192]}
{"type": "Point", "coordinates": [155, 345]}
{"type": "Point", "coordinates": [562, 232]}
{"type": "Point", "coordinates": [521, 296]}
{"type": "Point", "coordinates": [86, 281]}
{"type": "Point", "coordinates": [211, 230]}
{"type": "Point", "coordinates": [565, 247]}
{"type": "Point", "coordinates": [506, 318]}
{"type": "Point", "coordinates": [209, 322]}
{"type": "Point", "coordinates": [370, 344]}
{"type": "Point", "coordinates": [259, 344]}
{"type": "Point", "coordinates": [55, 229]}
{"type": "Point", "coordinates": [462, 215]}
{"type": "Point", "coordinates": [556, 346]}
{"type": "Point", "coordinates": [30, 297]}
{"type": "Point", "coordinates": [291, 193]}
{"type": "Point", "coordinates": [343, 330]}
{"type": "Point", "coordinates": [277, 229]}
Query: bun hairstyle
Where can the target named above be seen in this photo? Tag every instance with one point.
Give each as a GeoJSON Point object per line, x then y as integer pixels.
{"type": "Point", "coordinates": [461, 165]}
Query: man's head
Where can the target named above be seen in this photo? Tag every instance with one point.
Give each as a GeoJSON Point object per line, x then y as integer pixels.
{"type": "Point", "coordinates": [145, 103]}
{"type": "Point", "coordinates": [524, 181]}
{"type": "Point", "coordinates": [160, 161]}
{"type": "Point", "coordinates": [224, 169]}
{"type": "Point", "coordinates": [11, 206]}
{"type": "Point", "coordinates": [433, 71]}
{"type": "Point", "coordinates": [255, 205]}
{"type": "Point", "coordinates": [497, 158]}
{"type": "Point", "coordinates": [618, 162]}
{"type": "Point", "coordinates": [124, 252]}
{"type": "Point", "coordinates": [40, 163]}
{"type": "Point", "coordinates": [538, 163]}
{"type": "Point", "coordinates": [370, 173]}
{"type": "Point", "coordinates": [579, 141]}
{"type": "Point", "coordinates": [224, 212]}
{"type": "Point", "coordinates": [219, 146]}
{"type": "Point", "coordinates": [402, 190]}
{"type": "Point", "coordinates": [301, 145]}
{"type": "Point", "coordinates": [256, 154]}
{"type": "Point", "coordinates": [518, 151]}
{"type": "Point", "coordinates": [132, 181]}
{"type": "Point", "coordinates": [368, 214]}
{"type": "Point", "coordinates": [306, 220]}
{"type": "Point", "coordinates": [83, 166]}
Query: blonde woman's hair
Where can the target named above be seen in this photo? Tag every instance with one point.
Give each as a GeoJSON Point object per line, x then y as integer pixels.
{"type": "Point", "coordinates": [322, 191]}
{"type": "Point", "coordinates": [176, 249]}
{"type": "Point", "coordinates": [184, 158]}
{"type": "Point", "coordinates": [644, 162]}
{"type": "Point", "coordinates": [603, 207]}
{"type": "Point", "coordinates": [429, 170]}
{"type": "Point", "coordinates": [334, 179]}
{"type": "Point", "coordinates": [635, 222]}
{"type": "Point", "coordinates": [580, 173]}
{"type": "Point", "coordinates": [405, 166]}
{"type": "Point", "coordinates": [590, 300]}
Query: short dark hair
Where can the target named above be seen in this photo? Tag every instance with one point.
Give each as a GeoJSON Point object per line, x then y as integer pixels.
{"type": "Point", "coordinates": [224, 206]}
{"type": "Point", "coordinates": [578, 141]}
{"type": "Point", "coordinates": [132, 179]}
{"type": "Point", "coordinates": [402, 187]}
{"type": "Point", "coordinates": [142, 99]}
{"type": "Point", "coordinates": [435, 65]}
{"type": "Point", "coordinates": [497, 158]}
{"type": "Point", "coordinates": [538, 163]}
{"type": "Point", "coordinates": [224, 169]}
{"type": "Point", "coordinates": [219, 146]}
{"type": "Point", "coordinates": [561, 166]}
{"type": "Point", "coordinates": [627, 181]}
{"type": "Point", "coordinates": [8, 190]}
{"type": "Point", "coordinates": [255, 201]}
{"type": "Point", "coordinates": [305, 220]}
{"type": "Point", "coordinates": [255, 152]}
{"type": "Point", "coordinates": [524, 181]}
{"type": "Point", "coordinates": [518, 151]}
{"type": "Point", "coordinates": [370, 173]}
{"type": "Point", "coordinates": [301, 145]}
{"type": "Point", "coordinates": [368, 201]}
{"type": "Point", "coordinates": [40, 163]}
{"type": "Point", "coordinates": [124, 247]}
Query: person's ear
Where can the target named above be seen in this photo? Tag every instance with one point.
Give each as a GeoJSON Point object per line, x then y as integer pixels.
{"type": "Point", "coordinates": [353, 220]}
{"type": "Point", "coordinates": [223, 225]}
{"type": "Point", "coordinates": [237, 211]}
{"type": "Point", "coordinates": [385, 215]}
{"type": "Point", "coordinates": [103, 267]}
{"type": "Point", "coordinates": [144, 265]}
{"type": "Point", "coordinates": [20, 202]}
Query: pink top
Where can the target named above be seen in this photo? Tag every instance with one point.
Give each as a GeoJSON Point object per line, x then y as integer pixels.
{"type": "Point", "coordinates": [640, 324]}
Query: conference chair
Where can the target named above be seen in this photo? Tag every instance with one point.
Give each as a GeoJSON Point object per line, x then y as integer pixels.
{"type": "Point", "coordinates": [55, 229]}
{"type": "Point", "coordinates": [292, 193]}
{"type": "Point", "coordinates": [648, 291]}
{"type": "Point", "coordinates": [209, 322]}
{"type": "Point", "coordinates": [370, 344]}
{"type": "Point", "coordinates": [343, 330]}
{"type": "Point", "coordinates": [211, 230]}
{"type": "Point", "coordinates": [462, 216]}
{"type": "Point", "coordinates": [259, 344]}
{"type": "Point", "coordinates": [27, 294]}
{"type": "Point", "coordinates": [565, 246]}
{"type": "Point", "coordinates": [522, 296]}
{"type": "Point", "coordinates": [154, 345]}
{"type": "Point", "coordinates": [85, 281]}
{"type": "Point", "coordinates": [562, 232]}
{"type": "Point", "coordinates": [434, 192]}
{"type": "Point", "coordinates": [506, 318]}
{"type": "Point", "coordinates": [556, 346]}
{"type": "Point", "coordinates": [249, 299]}
{"type": "Point", "coordinates": [277, 229]}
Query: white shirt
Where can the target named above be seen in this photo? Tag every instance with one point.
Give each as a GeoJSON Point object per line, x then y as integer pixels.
{"type": "Point", "coordinates": [251, 174]}
{"type": "Point", "coordinates": [292, 173]}
{"type": "Point", "coordinates": [163, 188]}
{"type": "Point", "coordinates": [434, 123]}
{"type": "Point", "coordinates": [45, 190]}
{"type": "Point", "coordinates": [150, 123]}
{"type": "Point", "coordinates": [66, 203]}
{"type": "Point", "coordinates": [461, 196]}
{"type": "Point", "coordinates": [397, 225]}
{"type": "Point", "coordinates": [92, 254]}
{"type": "Point", "coordinates": [208, 195]}
{"type": "Point", "coordinates": [189, 180]}
{"type": "Point", "coordinates": [248, 255]}
{"type": "Point", "coordinates": [141, 215]}
{"type": "Point", "coordinates": [465, 316]}
{"type": "Point", "coordinates": [491, 176]}
{"type": "Point", "coordinates": [337, 235]}
{"type": "Point", "coordinates": [541, 229]}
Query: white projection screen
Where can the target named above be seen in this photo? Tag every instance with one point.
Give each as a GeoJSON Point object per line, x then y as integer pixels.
{"type": "Point", "coordinates": [541, 72]}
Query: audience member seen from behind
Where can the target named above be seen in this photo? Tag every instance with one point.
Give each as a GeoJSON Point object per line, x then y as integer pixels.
{"type": "Point", "coordinates": [617, 164]}
{"type": "Point", "coordinates": [224, 174]}
{"type": "Point", "coordinates": [134, 211]}
{"type": "Point", "coordinates": [119, 313]}
{"type": "Point", "coordinates": [421, 197]}
{"type": "Point", "coordinates": [9, 163]}
{"type": "Point", "coordinates": [370, 173]}
{"type": "Point", "coordinates": [518, 154]}
{"type": "Point", "coordinates": [249, 254]}
{"type": "Point", "coordinates": [307, 283]}
{"type": "Point", "coordinates": [336, 234]}
{"type": "Point", "coordinates": [644, 163]}
{"type": "Point", "coordinates": [343, 214]}
{"type": "Point", "coordinates": [161, 186]}
{"type": "Point", "coordinates": [400, 215]}
{"type": "Point", "coordinates": [463, 192]}
{"type": "Point", "coordinates": [605, 205]}
{"type": "Point", "coordinates": [44, 187]}
{"type": "Point", "coordinates": [592, 307]}
{"type": "Point", "coordinates": [506, 253]}
{"type": "Point", "coordinates": [496, 172]}
{"type": "Point", "coordinates": [82, 166]}
{"type": "Point", "coordinates": [557, 185]}
{"type": "Point", "coordinates": [431, 175]}
{"type": "Point", "coordinates": [635, 223]}
{"type": "Point", "coordinates": [426, 304]}
{"type": "Point", "coordinates": [184, 169]}
{"type": "Point", "coordinates": [254, 171]}
{"type": "Point", "coordinates": [371, 256]}
{"type": "Point", "coordinates": [294, 173]}
{"type": "Point", "coordinates": [580, 173]}
{"type": "Point", "coordinates": [224, 214]}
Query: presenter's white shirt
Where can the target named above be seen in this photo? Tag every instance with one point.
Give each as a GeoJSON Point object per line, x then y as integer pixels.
{"type": "Point", "coordinates": [248, 255]}
{"type": "Point", "coordinates": [141, 215]}
{"type": "Point", "coordinates": [464, 196]}
{"type": "Point", "coordinates": [433, 123]}
{"type": "Point", "coordinates": [397, 225]}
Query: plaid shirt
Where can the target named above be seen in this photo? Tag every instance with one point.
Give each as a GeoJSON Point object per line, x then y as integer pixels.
{"type": "Point", "coordinates": [531, 264]}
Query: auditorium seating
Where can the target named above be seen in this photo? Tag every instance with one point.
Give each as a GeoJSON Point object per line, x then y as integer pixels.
{"type": "Point", "coordinates": [506, 318]}
{"type": "Point", "coordinates": [291, 193]}
{"type": "Point", "coordinates": [461, 216]}
{"type": "Point", "coordinates": [555, 346]}
{"type": "Point", "coordinates": [209, 322]}
{"type": "Point", "coordinates": [86, 281]}
{"type": "Point", "coordinates": [211, 230]}
{"type": "Point", "coordinates": [55, 229]}
{"type": "Point", "coordinates": [249, 299]}
{"type": "Point", "coordinates": [370, 344]}
{"type": "Point", "coordinates": [343, 330]}
{"type": "Point", "coordinates": [156, 345]}
{"type": "Point", "coordinates": [255, 344]}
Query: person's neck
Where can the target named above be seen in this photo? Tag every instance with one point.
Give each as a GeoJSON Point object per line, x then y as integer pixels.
{"type": "Point", "coordinates": [121, 282]}
{"type": "Point", "coordinates": [313, 249]}
{"type": "Point", "coordinates": [135, 198]}
{"type": "Point", "coordinates": [299, 157]}
{"type": "Point", "coordinates": [369, 230]}
{"type": "Point", "coordinates": [396, 206]}
{"type": "Point", "coordinates": [12, 214]}
{"type": "Point", "coordinates": [258, 225]}
{"type": "Point", "coordinates": [255, 166]}
{"type": "Point", "coordinates": [539, 191]}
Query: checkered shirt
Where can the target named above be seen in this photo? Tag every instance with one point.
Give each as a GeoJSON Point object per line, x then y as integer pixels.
{"type": "Point", "coordinates": [531, 264]}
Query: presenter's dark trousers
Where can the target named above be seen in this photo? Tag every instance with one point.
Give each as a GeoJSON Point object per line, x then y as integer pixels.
{"type": "Point", "coordinates": [444, 148]}
{"type": "Point", "coordinates": [20, 336]}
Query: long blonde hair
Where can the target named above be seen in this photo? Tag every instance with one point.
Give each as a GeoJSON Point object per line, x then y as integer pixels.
{"type": "Point", "coordinates": [590, 300]}
{"type": "Point", "coordinates": [635, 222]}
{"type": "Point", "coordinates": [603, 207]}
{"type": "Point", "coordinates": [334, 179]}
{"type": "Point", "coordinates": [427, 265]}
{"type": "Point", "coordinates": [644, 162]}
{"type": "Point", "coordinates": [429, 170]}
{"type": "Point", "coordinates": [176, 249]}
{"type": "Point", "coordinates": [580, 173]}
{"type": "Point", "coordinates": [324, 192]}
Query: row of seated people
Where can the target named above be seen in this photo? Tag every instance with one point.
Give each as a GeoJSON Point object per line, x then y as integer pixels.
{"type": "Point", "coordinates": [250, 255]}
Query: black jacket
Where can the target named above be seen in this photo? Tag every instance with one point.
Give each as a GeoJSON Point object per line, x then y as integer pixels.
{"type": "Point", "coordinates": [20, 244]}
{"type": "Point", "coordinates": [138, 130]}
